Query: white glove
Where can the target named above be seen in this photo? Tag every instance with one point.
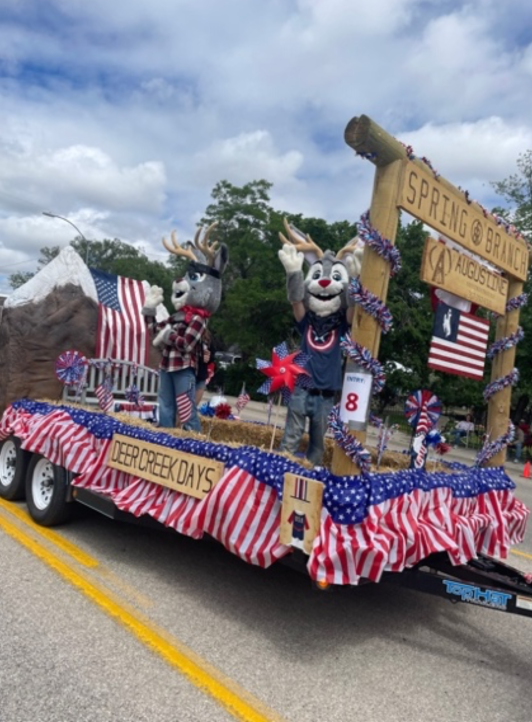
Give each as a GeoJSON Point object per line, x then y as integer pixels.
{"type": "Point", "coordinates": [162, 337]}
{"type": "Point", "coordinates": [291, 258]}
{"type": "Point", "coordinates": [153, 298]}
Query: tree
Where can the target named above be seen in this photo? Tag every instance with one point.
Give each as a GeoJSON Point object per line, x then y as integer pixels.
{"type": "Point", "coordinates": [112, 256]}
{"type": "Point", "coordinates": [517, 192]}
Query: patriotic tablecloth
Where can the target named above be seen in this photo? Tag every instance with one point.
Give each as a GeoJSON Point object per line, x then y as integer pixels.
{"type": "Point", "coordinates": [369, 524]}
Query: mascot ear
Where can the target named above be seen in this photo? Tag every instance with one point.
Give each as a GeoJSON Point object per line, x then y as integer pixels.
{"type": "Point", "coordinates": [221, 258]}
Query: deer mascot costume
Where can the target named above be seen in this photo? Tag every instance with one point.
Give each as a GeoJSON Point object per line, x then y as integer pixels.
{"type": "Point", "coordinates": [323, 314]}
{"type": "Point", "coordinates": [194, 297]}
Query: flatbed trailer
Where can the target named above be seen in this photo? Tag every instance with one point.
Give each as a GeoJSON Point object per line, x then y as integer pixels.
{"type": "Point", "coordinates": [50, 490]}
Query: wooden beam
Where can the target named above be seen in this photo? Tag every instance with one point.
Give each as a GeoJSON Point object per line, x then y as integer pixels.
{"type": "Point", "coordinates": [500, 403]}
{"type": "Point", "coordinates": [375, 276]}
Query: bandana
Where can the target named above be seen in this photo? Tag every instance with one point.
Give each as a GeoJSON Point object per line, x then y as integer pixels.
{"type": "Point", "coordinates": [322, 325]}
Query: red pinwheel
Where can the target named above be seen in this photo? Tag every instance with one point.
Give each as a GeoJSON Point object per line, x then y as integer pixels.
{"type": "Point", "coordinates": [283, 372]}
{"type": "Point", "coordinates": [423, 405]}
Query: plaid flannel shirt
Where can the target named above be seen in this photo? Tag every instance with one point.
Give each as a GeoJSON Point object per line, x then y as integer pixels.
{"type": "Point", "coordinates": [184, 343]}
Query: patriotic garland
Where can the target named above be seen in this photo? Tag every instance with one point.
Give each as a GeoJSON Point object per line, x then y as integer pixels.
{"type": "Point", "coordinates": [361, 356]}
{"type": "Point", "coordinates": [491, 448]}
{"type": "Point", "coordinates": [348, 443]}
{"type": "Point", "coordinates": [506, 343]}
{"type": "Point", "coordinates": [517, 302]}
{"type": "Point", "coordinates": [499, 384]}
{"type": "Point", "coordinates": [411, 156]}
{"type": "Point", "coordinates": [499, 220]}
{"type": "Point", "coordinates": [371, 304]}
{"type": "Point", "coordinates": [379, 244]}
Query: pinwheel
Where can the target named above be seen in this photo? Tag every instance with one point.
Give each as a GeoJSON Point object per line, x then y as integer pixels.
{"type": "Point", "coordinates": [284, 371]}
{"type": "Point", "coordinates": [423, 402]}
{"type": "Point", "coordinates": [71, 368]}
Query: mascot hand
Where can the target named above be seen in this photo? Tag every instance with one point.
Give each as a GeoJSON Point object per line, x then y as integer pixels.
{"type": "Point", "coordinates": [162, 337]}
{"type": "Point", "coordinates": [153, 298]}
{"type": "Point", "coordinates": [291, 259]}
{"type": "Point", "coordinates": [353, 261]}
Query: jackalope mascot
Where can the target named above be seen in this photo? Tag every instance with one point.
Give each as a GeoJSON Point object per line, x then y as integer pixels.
{"type": "Point", "coordinates": [195, 297]}
{"type": "Point", "coordinates": [323, 313]}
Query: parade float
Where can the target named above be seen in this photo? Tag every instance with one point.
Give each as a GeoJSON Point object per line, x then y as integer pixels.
{"type": "Point", "coordinates": [365, 515]}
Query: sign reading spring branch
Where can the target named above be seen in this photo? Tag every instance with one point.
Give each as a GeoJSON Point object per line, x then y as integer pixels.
{"type": "Point", "coordinates": [190, 474]}
{"type": "Point", "coordinates": [443, 209]}
{"type": "Point", "coordinates": [457, 273]}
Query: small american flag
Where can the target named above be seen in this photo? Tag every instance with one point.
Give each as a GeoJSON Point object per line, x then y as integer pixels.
{"type": "Point", "coordinates": [184, 407]}
{"type": "Point", "coordinates": [122, 332]}
{"type": "Point", "coordinates": [105, 397]}
{"type": "Point", "coordinates": [459, 343]}
{"type": "Point", "coordinates": [242, 399]}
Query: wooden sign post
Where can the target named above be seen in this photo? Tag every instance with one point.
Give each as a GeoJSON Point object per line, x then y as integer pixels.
{"type": "Point", "coordinates": [403, 182]}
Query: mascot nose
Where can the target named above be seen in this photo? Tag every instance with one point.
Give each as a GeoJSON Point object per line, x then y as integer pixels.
{"type": "Point", "coordinates": [324, 282]}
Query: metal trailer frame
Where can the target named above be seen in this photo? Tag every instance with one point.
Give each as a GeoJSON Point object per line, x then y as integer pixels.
{"type": "Point", "coordinates": [482, 582]}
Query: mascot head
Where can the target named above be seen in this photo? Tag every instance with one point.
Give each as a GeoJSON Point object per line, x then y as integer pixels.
{"type": "Point", "coordinates": [324, 288]}
{"type": "Point", "coordinates": [201, 286]}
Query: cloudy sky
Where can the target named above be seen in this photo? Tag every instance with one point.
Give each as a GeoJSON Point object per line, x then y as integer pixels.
{"type": "Point", "coordinates": [122, 115]}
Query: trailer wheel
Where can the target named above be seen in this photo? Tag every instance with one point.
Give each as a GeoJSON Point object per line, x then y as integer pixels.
{"type": "Point", "coordinates": [46, 492]}
{"type": "Point", "coordinates": [13, 465]}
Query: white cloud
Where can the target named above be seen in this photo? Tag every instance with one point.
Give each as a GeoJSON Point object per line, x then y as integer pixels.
{"type": "Point", "coordinates": [123, 116]}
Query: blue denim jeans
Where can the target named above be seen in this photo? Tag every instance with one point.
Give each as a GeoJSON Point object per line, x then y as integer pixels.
{"type": "Point", "coordinates": [171, 384]}
{"type": "Point", "coordinates": [302, 406]}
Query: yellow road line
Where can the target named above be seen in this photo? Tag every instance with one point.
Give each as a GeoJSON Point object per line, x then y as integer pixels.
{"type": "Point", "coordinates": [77, 554]}
{"type": "Point", "coordinates": [521, 554]}
{"type": "Point", "coordinates": [239, 703]}
{"type": "Point", "coordinates": [52, 536]}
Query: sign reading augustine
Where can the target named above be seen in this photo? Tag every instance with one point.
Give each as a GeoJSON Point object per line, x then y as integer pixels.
{"type": "Point", "coordinates": [187, 473]}
{"type": "Point", "coordinates": [438, 206]}
{"type": "Point", "coordinates": [457, 273]}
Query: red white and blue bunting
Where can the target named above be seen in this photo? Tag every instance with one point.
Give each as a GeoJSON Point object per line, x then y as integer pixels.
{"type": "Point", "coordinates": [370, 524]}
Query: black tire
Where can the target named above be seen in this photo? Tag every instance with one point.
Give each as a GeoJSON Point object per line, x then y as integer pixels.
{"type": "Point", "coordinates": [13, 465]}
{"type": "Point", "coordinates": [46, 492]}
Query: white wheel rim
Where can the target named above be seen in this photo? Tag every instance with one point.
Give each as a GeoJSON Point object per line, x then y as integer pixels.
{"type": "Point", "coordinates": [8, 463]}
{"type": "Point", "coordinates": [42, 484]}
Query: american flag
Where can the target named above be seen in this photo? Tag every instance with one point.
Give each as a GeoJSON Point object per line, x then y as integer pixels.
{"type": "Point", "coordinates": [459, 343]}
{"type": "Point", "coordinates": [184, 407]}
{"type": "Point", "coordinates": [105, 397]}
{"type": "Point", "coordinates": [122, 332]}
{"type": "Point", "coordinates": [242, 399]}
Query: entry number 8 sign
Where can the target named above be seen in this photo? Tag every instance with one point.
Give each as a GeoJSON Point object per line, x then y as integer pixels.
{"type": "Point", "coordinates": [356, 393]}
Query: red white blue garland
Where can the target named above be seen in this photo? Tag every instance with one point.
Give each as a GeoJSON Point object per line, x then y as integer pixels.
{"type": "Point", "coordinates": [348, 443]}
{"type": "Point", "coordinates": [362, 357]}
{"type": "Point", "coordinates": [491, 448]}
{"type": "Point", "coordinates": [371, 304]}
{"type": "Point", "coordinates": [506, 343]}
{"type": "Point", "coordinates": [499, 384]}
{"type": "Point", "coordinates": [382, 246]}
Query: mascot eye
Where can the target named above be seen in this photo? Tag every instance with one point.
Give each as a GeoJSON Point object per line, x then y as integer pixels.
{"type": "Point", "coordinates": [195, 276]}
{"type": "Point", "coordinates": [337, 276]}
{"type": "Point", "coordinates": [316, 274]}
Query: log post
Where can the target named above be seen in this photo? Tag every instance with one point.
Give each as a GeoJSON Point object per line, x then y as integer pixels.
{"type": "Point", "coordinates": [500, 403]}
{"type": "Point", "coordinates": [366, 137]}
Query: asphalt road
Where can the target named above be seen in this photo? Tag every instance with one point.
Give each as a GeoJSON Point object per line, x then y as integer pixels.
{"type": "Point", "coordinates": [108, 621]}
